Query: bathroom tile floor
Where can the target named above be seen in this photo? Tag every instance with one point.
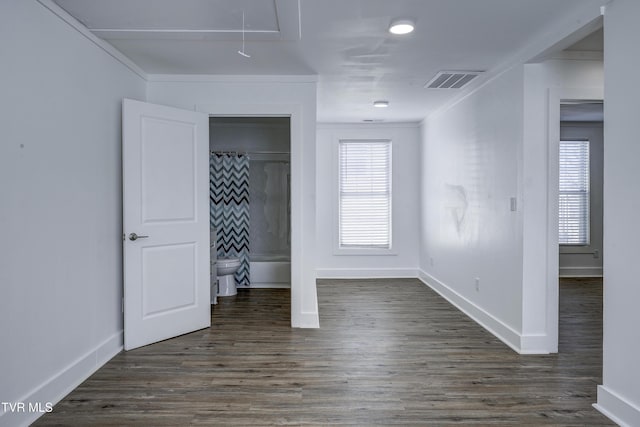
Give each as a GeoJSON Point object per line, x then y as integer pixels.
{"type": "Point", "coordinates": [389, 352]}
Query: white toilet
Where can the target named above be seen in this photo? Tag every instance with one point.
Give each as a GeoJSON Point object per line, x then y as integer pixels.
{"type": "Point", "coordinates": [226, 281]}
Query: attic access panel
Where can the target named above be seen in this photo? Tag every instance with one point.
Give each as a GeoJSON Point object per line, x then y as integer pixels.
{"type": "Point", "coordinates": [186, 19]}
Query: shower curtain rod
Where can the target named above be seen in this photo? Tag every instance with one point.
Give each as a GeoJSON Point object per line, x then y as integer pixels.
{"type": "Point", "coordinates": [240, 153]}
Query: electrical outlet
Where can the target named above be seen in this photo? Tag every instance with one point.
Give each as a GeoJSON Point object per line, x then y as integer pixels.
{"type": "Point", "coordinates": [477, 284]}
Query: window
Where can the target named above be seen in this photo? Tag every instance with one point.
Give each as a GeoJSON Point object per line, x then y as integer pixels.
{"type": "Point", "coordinates": [574, 193]}
{"type": "Point", "coordinates": [365, 194]}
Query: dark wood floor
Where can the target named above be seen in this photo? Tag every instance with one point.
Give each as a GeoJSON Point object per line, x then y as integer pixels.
{"type": "Point", "coordinates": [388, 352]}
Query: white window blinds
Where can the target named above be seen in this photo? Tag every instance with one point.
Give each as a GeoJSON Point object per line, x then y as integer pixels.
{"type": "Point", "coordinates": [365, 194]}
{"type": "Point", "coordinates": [574, 193]}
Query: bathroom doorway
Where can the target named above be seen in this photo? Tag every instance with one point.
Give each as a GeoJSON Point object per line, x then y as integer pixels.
{"type": "Point", "coordinates": [263, 146]}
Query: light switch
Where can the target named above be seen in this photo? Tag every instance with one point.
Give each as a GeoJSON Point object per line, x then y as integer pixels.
{"type": "Point", "coordinates": [514, 204]}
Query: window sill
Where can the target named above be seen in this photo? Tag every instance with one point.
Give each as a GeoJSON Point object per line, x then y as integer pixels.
{"type": "Point", "coordinates": [364, 252]}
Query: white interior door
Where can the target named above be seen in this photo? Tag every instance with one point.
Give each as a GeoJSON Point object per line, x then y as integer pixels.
{"type": "Point", "coordinates": [165, 174]}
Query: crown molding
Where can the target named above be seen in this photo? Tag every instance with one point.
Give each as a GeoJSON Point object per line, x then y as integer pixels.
{"type": "Point", "coordinates": [558, 36]}
{"type": "Point", "coordinates": [384, 125]}
{"type": "Point", "coordinates": [578, 55]}
{"type": "Point", "coordinates": [225, 78]}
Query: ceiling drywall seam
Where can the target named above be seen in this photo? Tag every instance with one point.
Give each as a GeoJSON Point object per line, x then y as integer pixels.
{"type": "Point", "coordinates": [587, 17]}
{"type": "Point", "coordinates": [78, 26]}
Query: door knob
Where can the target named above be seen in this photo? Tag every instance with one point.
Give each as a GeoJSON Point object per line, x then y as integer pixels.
{"type": "Point", "coordinates": [134, 236]}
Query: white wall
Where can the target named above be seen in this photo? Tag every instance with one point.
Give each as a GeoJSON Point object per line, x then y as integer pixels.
{"type": "Point", "coordinates": [477, 155]}
{"type": "Point", "coordinates": [619, 395]}
{"type": "Point", "coordinates": [60, 216]}
{"type": "Point", "coordinates": [405, 198]}
{"type": "Point", "coordinates": [470, 158]}
{"type": "Point", "coordinates": [250, 134]}
{"type": "Point", "coordinates": [260, 96]}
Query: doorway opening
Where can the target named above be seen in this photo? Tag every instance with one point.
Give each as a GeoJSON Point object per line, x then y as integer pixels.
{"type": "Point", "coordinates": [581, 155]}
{"type": "Point", "coordinates": [256, 180]}
{"type": "Point", "coordinates": [580, 225]}
{"type": "Point", "coordinates": [574, 82]}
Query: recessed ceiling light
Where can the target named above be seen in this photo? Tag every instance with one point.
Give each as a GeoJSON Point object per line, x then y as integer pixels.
{"type": "Point", "coordinates": [401, 26]}
{"type": "Point", "coordinates": [381, 104]}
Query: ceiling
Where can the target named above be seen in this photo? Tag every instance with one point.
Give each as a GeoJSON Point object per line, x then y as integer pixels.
{"type": "Point", "coordinates": [594, 42]}
{"type": "Point", "coordinates": [344, 42]}
{"type": "Point", "coordinates": [582, 112]}
{"type": "Point", "coordinates": [585, 111]}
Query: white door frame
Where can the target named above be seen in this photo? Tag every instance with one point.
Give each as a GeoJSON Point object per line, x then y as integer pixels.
{"type": "Point", "coordinates": [556, 97]}
{"type": "Point", "coordinates": [294, 111]}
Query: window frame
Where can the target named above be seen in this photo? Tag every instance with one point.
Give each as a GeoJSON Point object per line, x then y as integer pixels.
{"type": "Point", "coordinates": [587, 193]}
{"type": "Point", "coordinates": [361, 250]}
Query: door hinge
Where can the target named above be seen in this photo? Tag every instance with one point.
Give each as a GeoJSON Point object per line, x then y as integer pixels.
{"type": "Point", "coordinates": [122, 304]}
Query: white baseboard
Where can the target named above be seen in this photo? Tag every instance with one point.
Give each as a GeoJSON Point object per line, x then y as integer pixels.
{"type": "Point", "coordinates": [522, 344]}
{"type": "Point", "coordinates": [59, 385]}
{"type": "Point", "coordinates": [580, 271]}
{"type": "Point", "coordinates": [534, 344]}
{"type": "Point", "coordinates": [306, 320]}
{"type": "Point", "coordinates": [267, 286]}
{"type": "Point", "coordinates": [366, 273]}
{"type": "Point", "coordinates": [616, 408]}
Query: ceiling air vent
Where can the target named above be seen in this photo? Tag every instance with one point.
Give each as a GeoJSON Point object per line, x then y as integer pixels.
{"type": "Point", "coordinates": [452, 79]}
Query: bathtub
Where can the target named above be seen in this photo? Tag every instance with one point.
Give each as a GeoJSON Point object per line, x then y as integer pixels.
{"type": "Point", "coordinates": [270, 271]}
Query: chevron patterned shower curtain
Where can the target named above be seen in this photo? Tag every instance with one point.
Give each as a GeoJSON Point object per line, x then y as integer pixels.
{"type": "Point", "coordinates": [229, 194]}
